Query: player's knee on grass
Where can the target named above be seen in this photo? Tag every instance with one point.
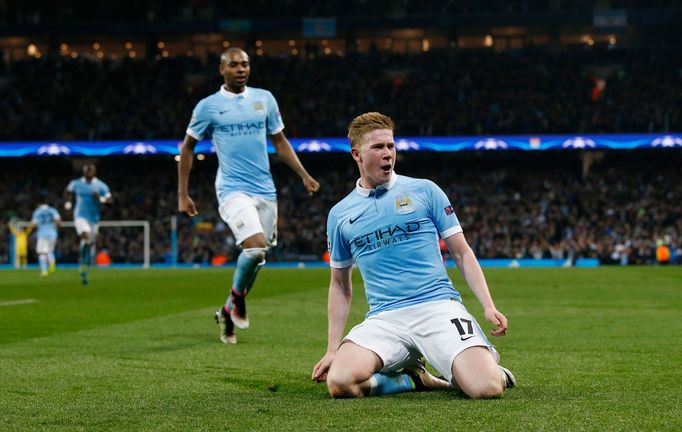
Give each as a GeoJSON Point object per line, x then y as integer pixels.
{"type": "Point", "coordinates": [342, 384]}
{"type": "Point", "coordinates": [345, 379]}
{"type": "Point", "coordinates": [484, 387]}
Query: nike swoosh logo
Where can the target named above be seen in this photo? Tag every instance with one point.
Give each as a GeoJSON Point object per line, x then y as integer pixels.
{"type": "Point", "coordinates": [222, 112]}
{"type": "Point", "coordinates": [351, 220]}
{"type": "Point", "coordinates": [467, 338]}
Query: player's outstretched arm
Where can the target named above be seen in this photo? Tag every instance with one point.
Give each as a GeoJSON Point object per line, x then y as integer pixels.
{"type": "Point", "coordinates": [288, 155]}
{"type": "Point", "coordinates": [338, 306]}
{"type": "Point", "coordinates": [468, 265]}
{"type": "Point", "coordinates": [185, 203]}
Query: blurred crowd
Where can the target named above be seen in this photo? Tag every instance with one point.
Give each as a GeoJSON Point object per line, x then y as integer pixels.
{"type": "Point", "coordinates": [511, 204]}
{"type": "Point", "coordinates": [443, 92]}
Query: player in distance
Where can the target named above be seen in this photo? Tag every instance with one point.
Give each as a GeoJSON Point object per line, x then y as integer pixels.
{"type": "Point", "coordinates": [46, 220]}
{"type": "Point", "coordinates": [90, 193]}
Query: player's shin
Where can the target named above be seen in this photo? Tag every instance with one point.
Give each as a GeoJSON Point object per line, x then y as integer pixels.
{"type": "Point", "coordinates": [249, 283]}
{"type": "Point", "coordinates": [248, 264]}
{"type": "Point", "coordinates": [52, 261]}
{"type": "Point", "coordinates": [83, 250]}
{"type": "Point", "coordinates": [91, 254]}
{"type": "Point", "coordinates": [42, 260]}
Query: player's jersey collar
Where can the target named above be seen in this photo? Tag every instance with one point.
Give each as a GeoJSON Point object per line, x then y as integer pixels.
{"type": "Point", "coordinates": [229, 94]}
{"type": "Point", "coordinates": [367, 192]}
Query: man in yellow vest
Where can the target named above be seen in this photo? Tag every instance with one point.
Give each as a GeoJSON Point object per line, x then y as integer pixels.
{"type": "Point", "coordinates": [20, 245]}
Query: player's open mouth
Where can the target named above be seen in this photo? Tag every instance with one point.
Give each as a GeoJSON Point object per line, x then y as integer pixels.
{"type": "Point", "coordinates": [386, 168]}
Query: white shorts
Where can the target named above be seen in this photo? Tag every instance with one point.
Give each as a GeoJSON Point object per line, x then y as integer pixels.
{"type": "Point", "coordinates": [247, 215]}
{"type": "Point", "coordinates": [45, 245]}
{"type": "Point", "coordinates": [438, 330]}
{"type": "Point", "coordinates": [84, 226]}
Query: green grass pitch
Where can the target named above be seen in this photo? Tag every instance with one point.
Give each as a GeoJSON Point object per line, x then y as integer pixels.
{"type": "Point", "coordinates": [592, 349]}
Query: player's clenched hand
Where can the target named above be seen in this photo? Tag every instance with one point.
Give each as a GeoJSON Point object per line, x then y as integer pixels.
{"type": "Point", "coordinates": [322, 367]}
{"type": "Point", "coordinates": [496, 317]}
{"type": "Point", "coordinates": [311, 185]}
{"type": "Point", "coordinates": [186, 205]}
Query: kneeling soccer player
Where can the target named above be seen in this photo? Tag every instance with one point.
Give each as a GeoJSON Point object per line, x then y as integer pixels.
{"type": "Point", "coordinates": [389, 226]}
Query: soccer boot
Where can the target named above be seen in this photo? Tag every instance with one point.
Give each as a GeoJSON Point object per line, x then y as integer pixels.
{"type": "Point", "coordinates": [84, 278]}
{"type": "Point", "coordinates": [238, 312]}
{"type": "Point", "coordinates": [223, 319]}
{"type": "Point", "coordinates": [423, 380]}
{"type": "Point", "coordinates": [509, 378]}
{"type": "Point", "coordinates": [52, 268]}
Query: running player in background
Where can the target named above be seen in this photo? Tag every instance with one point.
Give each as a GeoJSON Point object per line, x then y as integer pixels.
{"type": "Point", "coordinates": [90, 193]}
{"type": "Point", "coordinates": [238, 119]}
{"type": "Point", "coordinates": [46, 219]}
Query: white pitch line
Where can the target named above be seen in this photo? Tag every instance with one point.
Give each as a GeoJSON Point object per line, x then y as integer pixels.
{"type": "Point", "coordinates": [17, 302]}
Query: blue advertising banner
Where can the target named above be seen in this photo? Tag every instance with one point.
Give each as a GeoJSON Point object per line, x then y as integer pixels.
{"type": "Point", "coordinates": [324, 145]}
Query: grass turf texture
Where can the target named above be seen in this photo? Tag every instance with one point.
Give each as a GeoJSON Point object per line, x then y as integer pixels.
{"type": "Point", "coordinates": [592, 349]}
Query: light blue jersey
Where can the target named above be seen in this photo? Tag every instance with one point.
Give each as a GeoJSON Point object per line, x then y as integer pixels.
{"type": "Point", "coordinates": [392, 234]}
{"type": "Point", "coordinates": [45, 218]}
{"type": "Point", "coordinates": [238, 125]}
{"type": "Point", "coordinates": [87, 205]}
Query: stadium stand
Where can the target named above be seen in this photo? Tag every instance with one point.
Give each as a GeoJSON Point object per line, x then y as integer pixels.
{"type": "Point", "coordinates": [533, 91]}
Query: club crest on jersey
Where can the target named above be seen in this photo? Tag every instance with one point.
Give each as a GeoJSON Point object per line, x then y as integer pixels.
{"type": "Point", "coordinates": [403, 205]}
{"type": "Point", "coordinates": [258, 107]}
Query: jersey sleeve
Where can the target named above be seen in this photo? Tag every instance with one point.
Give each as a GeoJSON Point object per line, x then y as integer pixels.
{"type": "Point", "coordinates": [200, 123]}
{"type": "Point", "coordinates": [34, 217]}
{"type": "Point", "coordinates": [340, 255]}
{"type": "Point", "coordinates": [275, 124]}
{"type": "Point", "coordinates": [71, 186]}
{"type": "Point", "coordinates": [442, 213]}
{"type": "Point", "coordinates": [55, 215]}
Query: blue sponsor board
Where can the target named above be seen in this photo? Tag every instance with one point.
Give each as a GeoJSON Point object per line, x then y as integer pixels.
{"type": "Point", "coordinates": [326, 145]}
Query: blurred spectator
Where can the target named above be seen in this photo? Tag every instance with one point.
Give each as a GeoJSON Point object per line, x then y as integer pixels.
{"type": "Point", "coordinates": [102, 259]}
{"type": "Point", "coordinates": [662, 252]}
